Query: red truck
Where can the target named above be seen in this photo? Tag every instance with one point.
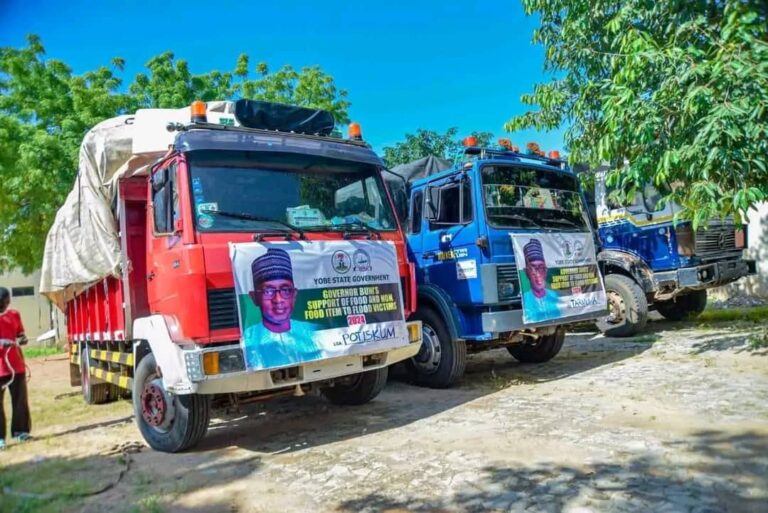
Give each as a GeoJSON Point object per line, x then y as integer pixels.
{"type": "Point", "coordinates": [143, 258]}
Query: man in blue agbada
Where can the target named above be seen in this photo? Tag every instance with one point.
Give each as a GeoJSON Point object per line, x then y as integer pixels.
{"type": "Point", "coordinates": [278, 341]}
{"type": "Point", "coordinates": [539, 303]}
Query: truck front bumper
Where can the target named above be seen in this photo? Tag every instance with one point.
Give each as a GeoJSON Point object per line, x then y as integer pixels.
{"type": "Point", "coordinates": [706, 275]}
{"type": "Point", "coordinates": [512, 320]}
{"type": "Point", "coordinates": [229, 375]}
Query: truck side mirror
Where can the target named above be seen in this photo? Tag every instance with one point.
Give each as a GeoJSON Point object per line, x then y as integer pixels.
{"type": "Point", "coordinates": [159, 179]}
{"type": "Point", "coordinates": [433, 203]}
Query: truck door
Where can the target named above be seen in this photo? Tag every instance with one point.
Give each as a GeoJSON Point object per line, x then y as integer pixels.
{"type": "Point", "coordinates": [641, 226]}
{"type": "Point", "coordinates": [165, 256]}
{"type": "Point", "coordinates": [449, 256]}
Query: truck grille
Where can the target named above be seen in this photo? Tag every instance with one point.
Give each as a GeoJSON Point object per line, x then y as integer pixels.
{"type": "Point", "coordinates": [507, 282]}
{"type": "Point", "coordinates": [715, 240]}
{"type": "Point", "coordinates": [222, 309]}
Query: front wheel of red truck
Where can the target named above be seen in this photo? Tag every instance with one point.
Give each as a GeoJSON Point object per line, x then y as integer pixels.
{"type": "Point", "coordinates": [168, 422]}
{"type": "Point", "coordinates": [356, 389]}
{"type": "Point", "coordinates": [441, 361]}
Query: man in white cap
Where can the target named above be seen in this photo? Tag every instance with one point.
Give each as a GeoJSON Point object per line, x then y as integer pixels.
{"type": "Point", "coordinates": [278, 341]}
{"type": "Point", "coordinates": [539, 303]}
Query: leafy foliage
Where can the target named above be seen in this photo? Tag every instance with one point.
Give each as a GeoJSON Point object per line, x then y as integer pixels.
{"type": "Point", "coordinates": [666, 92]}
{"type": "Point", "coordinates": [45, 110]}
{"type": "Point", "coordinates": [428, 142]}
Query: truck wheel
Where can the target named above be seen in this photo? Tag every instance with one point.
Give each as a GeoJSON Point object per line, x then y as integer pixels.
{"type": "Point", "coordinates": [357, 389]}
{"type": "Point", "coordinates": [543, 350]}
{"type": "Point", "coordinates": [93, 393]}
{"type": "Point", "coordinates": [627, 306]}
{"type": "Point", "coordinates": [440, 361]}
{"type": "Point", "coordinates": [168, 422]}
{"type": "Point", "coordinates": [685, 307]}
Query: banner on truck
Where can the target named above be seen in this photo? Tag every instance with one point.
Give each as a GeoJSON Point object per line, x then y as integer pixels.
{"type": "Point", "coordinates": [305, 301]}
{"type": "Point", "coordinates": [559, 277]}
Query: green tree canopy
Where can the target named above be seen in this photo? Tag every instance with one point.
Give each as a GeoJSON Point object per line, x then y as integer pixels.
{"type": "Point", "coordinates": [46, 109]}
{"type": "Point", "coordinates": [428, 142]}
{"type": "Point", "coordinates": [671, 92]}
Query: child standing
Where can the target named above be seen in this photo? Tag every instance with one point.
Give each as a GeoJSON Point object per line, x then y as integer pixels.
{"type": "Point", "coordinates": [13, 370]}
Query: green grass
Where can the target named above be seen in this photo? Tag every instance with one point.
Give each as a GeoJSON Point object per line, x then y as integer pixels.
{"type": "Point", "coordinates": [39, 351]}
{"type": "Point", "coordinates": [754, 314]}
{"type": "Point", "coordinates": [51, 485]}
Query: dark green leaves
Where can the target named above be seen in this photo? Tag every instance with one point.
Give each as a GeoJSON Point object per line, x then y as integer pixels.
{"type": "Point", "coordinates": [673, 92]}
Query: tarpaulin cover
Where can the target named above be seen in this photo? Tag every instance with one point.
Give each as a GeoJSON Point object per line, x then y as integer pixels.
{"type": "Point", "coordinates": [412, 171]}
{"type": "Point", "coordinates": [285, 118]}
{"type": "Point", "coordinates": [83, 244]}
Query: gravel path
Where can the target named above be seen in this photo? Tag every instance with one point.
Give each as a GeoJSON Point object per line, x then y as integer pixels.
{"type": "Point", "coordinates": [673, 421]}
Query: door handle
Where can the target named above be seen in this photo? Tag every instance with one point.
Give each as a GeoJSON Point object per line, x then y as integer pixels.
{"type": "Point", "coordinates": [429, 255]}
{"type": "Point", "coordinates": [151, 276]}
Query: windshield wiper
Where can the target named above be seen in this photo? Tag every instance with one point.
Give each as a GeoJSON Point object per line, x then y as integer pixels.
{"type": "Point", "coordinates": [251, 217]}
{"type": "Point", "coordinates": [563, 220]}
{"type": "Point", "coordinates": [358, 227]}
{"type": "Point", "coordinates": [518, 217]}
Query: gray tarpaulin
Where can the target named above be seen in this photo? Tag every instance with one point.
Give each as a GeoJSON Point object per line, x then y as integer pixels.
{"type": "Point", "coordinates": [411, 171]}
{"type": "Point", "coordinates": [83, 244]}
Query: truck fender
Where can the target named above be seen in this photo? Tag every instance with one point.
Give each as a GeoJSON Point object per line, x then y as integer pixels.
{"type": "Point", "coordinates": [430, 295]}
{"type": "Point", "coordinates": [631, 265]}
{"type": "Point", "coordinates": [169, 356]}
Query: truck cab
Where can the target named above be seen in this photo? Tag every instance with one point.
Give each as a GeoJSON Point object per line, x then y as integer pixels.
{"type": "Point", "coordinates": [462, 225]}
{"type": "Point", "coordinates": [652, 262]}
{"type": "Point", "coordinates": [184, 323]}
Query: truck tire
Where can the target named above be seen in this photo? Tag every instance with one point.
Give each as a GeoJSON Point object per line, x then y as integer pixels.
{"type": "Point", "coordinates": [168, 422]}
{"type": "Point", "coordinates": [627, 305]}
{"type": "Point", "coordinates": [93, 393]}
{"type": "Point", "coordinates": [358, 389]}
{"type": "Point", "coordinates": [685, 307]}
{"type": "Point", "coordinates": [543, 350]}
{"type": "Point", "coordinates": [441, 361]}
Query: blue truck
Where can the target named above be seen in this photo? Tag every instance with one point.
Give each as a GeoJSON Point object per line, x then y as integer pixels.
{"type": "Point", "coordinates": [462, 221]}
{"type": "Point", "coordinates": [650, 262]}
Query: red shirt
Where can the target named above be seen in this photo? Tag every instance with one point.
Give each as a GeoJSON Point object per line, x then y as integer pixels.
{"type": "Point", "coordinates": [10, 328]}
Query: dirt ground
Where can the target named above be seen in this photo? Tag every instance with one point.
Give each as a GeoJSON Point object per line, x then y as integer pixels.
{"type": "Point", "coordinates": [674, 420]}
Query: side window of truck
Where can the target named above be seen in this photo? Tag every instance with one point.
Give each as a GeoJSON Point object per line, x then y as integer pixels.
{"type": "Point", "coordinates": [165, 199]}
{"type": "Point", "coordinates": [454, 204]}
{"type": "Point", "coordinates": [418, 208]}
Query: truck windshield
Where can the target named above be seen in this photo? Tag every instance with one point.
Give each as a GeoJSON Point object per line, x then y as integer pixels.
{"type": "Point", "coordinates": [522, 197]}
{"type": "Point", "coordinates": [248, 191]}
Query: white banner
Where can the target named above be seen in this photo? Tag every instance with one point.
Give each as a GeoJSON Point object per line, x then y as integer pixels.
{"type": "Point", "coordinates": [559, 276]}
{"type": "Point", "coordinates": [305, 301]}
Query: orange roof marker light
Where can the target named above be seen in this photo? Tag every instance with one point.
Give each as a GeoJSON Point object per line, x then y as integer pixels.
{"type": "Point", "coordinates": [507, 144]}
{"type": "Point", "coordinates": [354, 132]}
{"type": "Point", "coordinates": [470, 141]}
{"type": "Point", "coordinates": [554, 154]}
{"type": "Point", "coordinates": [534, 148]}
{"type": "Point", "coordinates": [199, 111]}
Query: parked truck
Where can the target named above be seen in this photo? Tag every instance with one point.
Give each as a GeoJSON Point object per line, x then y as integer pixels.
{"type": "Point", "coordinates": [504, 256]}
{"type": "Point", "coordinates": [228, 253]}
{"type": "Point", "coordinates": [652, 262]}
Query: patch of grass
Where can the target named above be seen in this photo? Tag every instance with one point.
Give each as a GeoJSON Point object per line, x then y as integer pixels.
{"type": "Point", "coordinates": [758, 341]}
{"type": "Point", "coordinates": [150, 504]}
{"type": "Point", "coordinates": [754, 314]}
{"type": "Point", "coordinates": [39, 351]}
{"type": "Point", "coordinates": [50, 485]}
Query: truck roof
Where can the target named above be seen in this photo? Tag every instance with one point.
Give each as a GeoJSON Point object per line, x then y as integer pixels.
{"type": "Point", "coordinates": [229, 138]}
{"type": "Point", "coordinates": [499, 157]}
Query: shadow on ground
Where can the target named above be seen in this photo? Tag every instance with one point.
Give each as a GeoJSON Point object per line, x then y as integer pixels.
{"type": "Point", "coordinates": [291, 424]}
{"type": "Point", "coordinates": [726, 473]}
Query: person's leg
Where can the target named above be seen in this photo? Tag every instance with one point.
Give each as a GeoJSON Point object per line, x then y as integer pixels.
{"type": "Point", "coordinates": [3, 381]}
{"type": "Point", "coordinates": [21, 424]}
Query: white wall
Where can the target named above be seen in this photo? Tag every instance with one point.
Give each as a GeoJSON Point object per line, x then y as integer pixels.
{"type": "Point", "coordinates": [35, 310]}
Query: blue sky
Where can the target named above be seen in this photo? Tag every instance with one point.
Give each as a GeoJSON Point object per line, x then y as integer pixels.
{"type": "Point", "coordinates": [407, 65]}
